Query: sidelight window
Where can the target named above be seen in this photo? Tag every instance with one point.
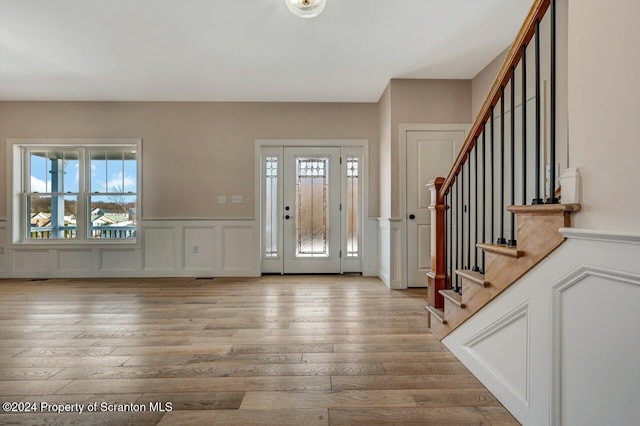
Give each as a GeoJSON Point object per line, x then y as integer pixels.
{"type": "Point", "coordinates": [353, 226]}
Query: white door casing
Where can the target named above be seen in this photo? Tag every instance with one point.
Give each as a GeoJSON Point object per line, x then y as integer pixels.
{"type": "Point", "coordinates": [429, 154]}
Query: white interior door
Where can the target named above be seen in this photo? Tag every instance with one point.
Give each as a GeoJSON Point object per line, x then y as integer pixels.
{"type": "Point", "coordinates": [311, 210]}
{"type": "Point", "coordinates": [429, 154]}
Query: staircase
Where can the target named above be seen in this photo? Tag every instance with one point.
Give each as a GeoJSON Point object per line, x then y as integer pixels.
{"type": "Point", "coordinates": [538, 227]}
{"type": "Point", "coordinates": [481, 243]}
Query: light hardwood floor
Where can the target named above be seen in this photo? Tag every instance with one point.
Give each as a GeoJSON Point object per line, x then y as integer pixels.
{"type": "Point", "coordinates": [292, 350]}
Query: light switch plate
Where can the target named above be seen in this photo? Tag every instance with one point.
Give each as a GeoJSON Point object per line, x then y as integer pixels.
{"type": "Point", "coordinates": [237, 199]}
{"type": "Point", "coordinates": [222, 199]}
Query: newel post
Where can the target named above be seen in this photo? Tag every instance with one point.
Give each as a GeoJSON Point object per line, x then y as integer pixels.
{"type": "Point", "coordinates": [437, 277]}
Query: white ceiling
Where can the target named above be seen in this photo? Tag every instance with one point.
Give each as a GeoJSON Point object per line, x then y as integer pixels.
{"type": "Point", "coordinates": [242, 50]}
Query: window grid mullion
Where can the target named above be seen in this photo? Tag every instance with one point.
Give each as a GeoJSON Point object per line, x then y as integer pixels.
{"type": "Point", "coordinates": [115, 228]}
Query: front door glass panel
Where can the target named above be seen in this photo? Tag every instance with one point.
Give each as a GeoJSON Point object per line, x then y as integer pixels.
{"type": "Point", "coordinates": [312, 207]}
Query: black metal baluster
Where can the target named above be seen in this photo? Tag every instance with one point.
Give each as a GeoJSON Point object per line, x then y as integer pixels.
{"type": "Point", "coordinates": [460, 226]}
{"type": "Point", "coordinates": [450, 214]}
{"type": "Point", "coordinates": [493, 186]}
{"type": "Point", "coordinates": [552, 122]}
{"type": "Point", "coordinates": [524, 125]}
{"type": "Point", "coordinates": [457, 238]}
{"type": "Point", "coordinates": [446, 237]}
{"type": "Point", "coordinates": [537, 199]}
{"type": "Point", "coordinates": [512, 216]}
{"type": "Point", "coordinates": [501, 239]}
{"type": "Point", "coordinates": [468, 212]}
{"type": "Point", "coordinates": [475, 268]}
{"type": "Point", "coordinates": [462, 257]}
{"type": "Point", "coordinates": [484, 189]}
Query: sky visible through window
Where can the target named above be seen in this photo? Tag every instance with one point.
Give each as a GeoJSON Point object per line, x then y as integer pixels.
{"type": "Point", "coordinates": [107, 174]}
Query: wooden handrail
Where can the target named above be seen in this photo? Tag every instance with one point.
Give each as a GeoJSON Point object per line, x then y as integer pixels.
{"type": "Point", "coordinates": [537, 12]}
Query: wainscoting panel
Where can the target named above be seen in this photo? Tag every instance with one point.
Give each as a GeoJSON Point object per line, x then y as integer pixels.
{"type": "Point", "coordinates": [370, 248]}
{"type": "Point", "coordinates": [575, 299]}
{"type": "Point", "coordinates": [75, 260]}
{"type": "Point", "coordinates": [199, 249]}
{"type": "Point", "coordinates": [117, 260]}
{"type": "Point", "coordinates": [35, 261]}
{"type": "Point", "coordinates": [3, 247]}
{"type": "Point", "coordinates": [238, 242]}
{"type": "Point", "coordinates": [384, 251]}
{"type": "Point", "coordinates": [168, 248]}
{"type": "Point", "coordinates": [398, 260]}
{"type": "Point", "coordinates": [159, 253]}
{"type": "Point", "coordinates": [561, 346]}
{"type": "Point", "coordinates": [510, 368]}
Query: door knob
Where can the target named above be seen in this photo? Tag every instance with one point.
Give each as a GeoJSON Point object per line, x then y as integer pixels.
{"type": "Point", "coordinates": [412, 216]}
{"type": "Point", "coordinates": [287, 217]}
{"type": "Point", "coordinates": [287, 208]}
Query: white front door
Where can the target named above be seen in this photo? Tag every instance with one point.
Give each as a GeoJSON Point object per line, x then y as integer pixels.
{"type": "Point", "coordinates": [311, 210]}
{"type": "Point", "coordinates": [430, 154]}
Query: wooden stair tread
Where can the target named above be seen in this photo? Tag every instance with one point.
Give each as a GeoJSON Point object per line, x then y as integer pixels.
{"type": "Point", "coordinates": [452, 296]}
{"type": "Point", "coordinates": [501, 249]}
{"type": "Point", "coordinates": [473, 276]}
{"type": "Point", "coordinates": [545, 208]}
{"type": "Point", "coordinates": [437, 313]}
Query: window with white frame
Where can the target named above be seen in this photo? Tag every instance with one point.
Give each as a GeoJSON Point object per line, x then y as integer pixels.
{"type": "Point", "coordinates": [79, 193]}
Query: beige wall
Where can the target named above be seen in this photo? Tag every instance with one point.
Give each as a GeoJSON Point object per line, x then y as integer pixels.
{"type": "Point", "coordinates": [423, 101]}
{"type": "Point", "coordinates": [604, 111]}
{"type": "Point", "coordinates": [384, 117]}
{"type": "Point", "coordinates": [482, 82]}
{"type": "Point", "coordinates": [193, 151]}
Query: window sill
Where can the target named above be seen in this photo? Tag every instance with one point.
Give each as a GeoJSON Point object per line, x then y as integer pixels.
{"type": "Point", "coordinates": [77, 245]}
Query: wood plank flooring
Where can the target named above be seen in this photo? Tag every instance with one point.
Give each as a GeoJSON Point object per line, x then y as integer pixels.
{"type": "Point", "coordinates": [292, 350]}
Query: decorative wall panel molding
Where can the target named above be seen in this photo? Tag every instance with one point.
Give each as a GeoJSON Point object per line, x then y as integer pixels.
{"type": "Point", "coordinates": [571, 323]}
{"type": "Point", "coordinates": [199, 252]}
{"type": "Point", "coordinates": [511, 369]}
{"type": "Point", "coordinates": [370, 248]}
{"type": "Point", "coordinates": [237, 244]}
{"type": "Point", "coordinates": [384, 251]}
{"type": "Point", "coordinates": [3, 247]}
{"type": "Point", "coordinates": [398, 263]}
{"type": "Point", "coordinates": [591, 337]}
{"type": "Point", "coordinates": [117, 260]}
{"type": "Point", "coordinates": [168, 248]}
{"type": "Point", "coordinates": [75, 260]}
{"type": "Point", "coordinates": [160, 248]}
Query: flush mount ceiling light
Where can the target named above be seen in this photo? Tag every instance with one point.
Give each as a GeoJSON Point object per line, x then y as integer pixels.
{"type": "Point", "coordinates": [306, 8]}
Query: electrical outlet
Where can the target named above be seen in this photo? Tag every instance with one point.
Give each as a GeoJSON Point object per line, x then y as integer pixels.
{"type": "Point", "coordinates": [195, 249]}
{"type": "Point", "coordinates": [222, 199]}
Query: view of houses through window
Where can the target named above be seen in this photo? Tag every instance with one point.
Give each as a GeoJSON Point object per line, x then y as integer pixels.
{"type": "Point", "coordinates": [81, 192]}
